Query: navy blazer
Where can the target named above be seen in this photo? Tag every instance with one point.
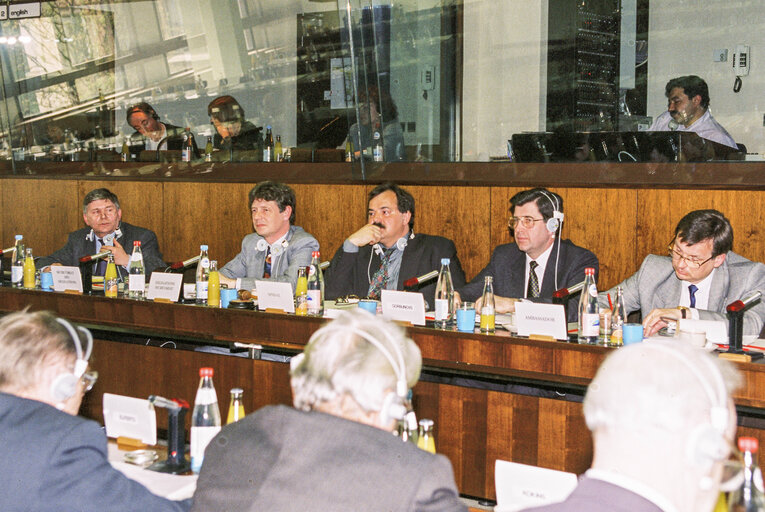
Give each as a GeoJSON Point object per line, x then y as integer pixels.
{"type": "Point", "coordinates": [347, 274]}
{"type": "Point", "coordinates": [80, 244]}
{"type": "Point", "coordinates": [508, 268]}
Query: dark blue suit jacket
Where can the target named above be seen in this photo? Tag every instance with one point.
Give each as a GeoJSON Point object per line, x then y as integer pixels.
{"type": "Point", "coordinates": [53, 461]}
{"type": "Point", "coordinates": [347, 274]}
{"type": "Point", "coordinates": [78, 245]}
{"type": "Point", "coordinates": [508, 268]}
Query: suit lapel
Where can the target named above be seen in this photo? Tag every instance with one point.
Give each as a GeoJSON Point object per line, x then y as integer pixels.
{"type": "Point", "coordinates": [718, 294]}
{"type": "Point", "coordinates": [548, 282]}
{"type": "Point", "coordinates": [409, 261]}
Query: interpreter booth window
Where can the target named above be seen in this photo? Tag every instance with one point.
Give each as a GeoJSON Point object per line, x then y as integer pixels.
{"type": "Point", "coordinates": [362, 81]}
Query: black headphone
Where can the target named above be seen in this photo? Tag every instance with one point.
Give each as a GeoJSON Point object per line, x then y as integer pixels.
{"type": "Point", "coordinates": [144, 108]}
{"type": "Point", "coordinates": [64, 386]}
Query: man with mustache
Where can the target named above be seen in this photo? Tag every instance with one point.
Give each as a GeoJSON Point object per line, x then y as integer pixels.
{"type": "Point", "coordinates": [386, 252]}
{"type": "Point", "coordinates": [688, 111]}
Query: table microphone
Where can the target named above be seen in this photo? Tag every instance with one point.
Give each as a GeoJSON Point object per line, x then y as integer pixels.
{"type": "Point", "coordinates": [565, 292]}
{"type": "Point", "coordinates": [9, 249]}
{"type": "Point", "coordinates": [742, 304]}
{"type": "Point", "coordinates": [323, 265]}
{"type": "Point", "coordinates": [94, 257]}
{"type": "Point", "coordinates": [414, 281]}
{"type": "Point", "coordinates": [183, 264]}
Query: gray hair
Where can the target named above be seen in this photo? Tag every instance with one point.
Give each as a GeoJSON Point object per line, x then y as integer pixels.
{"type": "Point", "coordinates": [665, 385]}
{"type": "Point", "coordinates": [30, 342]}
{"type": "Point", "coordinates": [97, 195]}
{"type": "Point", "coordinates": [339, 361]}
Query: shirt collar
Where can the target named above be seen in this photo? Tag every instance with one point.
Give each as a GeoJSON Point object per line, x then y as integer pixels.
{"type": "Point", "coordinates": [542, 259]}
{"type": "Point", "coordinates": [633, 485]}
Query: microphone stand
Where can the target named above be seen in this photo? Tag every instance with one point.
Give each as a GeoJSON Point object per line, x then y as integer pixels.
{"type": "Point", "coordinates": [735, 311]}
{"type": "Point", "coordinates": [86, 271]}
{"type": "Point", "coordinates": [176, 462]}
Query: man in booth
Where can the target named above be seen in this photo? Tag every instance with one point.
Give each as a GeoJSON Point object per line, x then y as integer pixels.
{"type": "Point", "coordinates": [386, 252]}
{"type": "Point", "coordinates": [158, 136]}
{"type": "Point", "coordinates": [277, 249]}
{"type": "Point", "coordinates": [538, 263]}
{"type": "Point", "coordinates": [688, 111]}
{"type": "Point", "coordinates": [106, 232]}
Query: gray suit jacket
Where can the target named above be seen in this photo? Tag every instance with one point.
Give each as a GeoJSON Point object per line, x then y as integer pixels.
{"type": "Point", "coordinates": [52, 461]}
{"type": "Point", "coordinates": [80, 244]}
{"type": "Point", "coordinates": [656, 285]}
{"type": "Point", "coordinates": [279, 458]}
{"type": "Point", "coordinates": [249, 263]}
{"type": "Point", "coordinates": [592, 495]}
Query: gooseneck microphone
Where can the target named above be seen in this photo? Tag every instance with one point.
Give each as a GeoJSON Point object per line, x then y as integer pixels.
{"type": "Point", "coordinates": [323, 265]}
{"type": "Point", "coordinates": [9, 249]}
{"type": "Point", "coordinates": [185, 263]}
{"type": "Point", "coordinates": [414, 281]}
{"type": "Point", "coordinates": [94, 257]}
{"type": "Point", "coordinates": [742, 304]}
{"type": "Point", "coordinates": [565, 292]}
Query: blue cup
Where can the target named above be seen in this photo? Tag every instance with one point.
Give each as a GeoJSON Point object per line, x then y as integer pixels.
{"type": "Point", "coordinates": [226, 296]}
{"type": "Point", "coordinates": [46, 280]}
{"type": "Point", "coordinates": [466, 317]}
{"type": "Point", "coordinates": [632, 333]}
{"type": "Point", "coordinates": [368, 305]}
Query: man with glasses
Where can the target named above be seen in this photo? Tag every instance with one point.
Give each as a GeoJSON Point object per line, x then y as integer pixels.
{"type": "Point", "coordinates": [52, 459]}
{"type": "Point", "coordinates": [662, 422]}
{"type": "Point", "coordinates": [538, 262]}
{"type": "Point", "coordinates": [386, 252]}
{"type": "Point", "coordinates": [697, 279]}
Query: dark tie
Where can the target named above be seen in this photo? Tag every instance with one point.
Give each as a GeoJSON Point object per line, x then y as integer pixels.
{"type": "Point", "coordinates": [380, 279]}
{"type": "Point", "coordinates": [692, 290]}
{"type": "Point", "coordinates": [101, 265]}
{"type": "Point", "coordinates": [267, 267]}
{"type": "Point", "coordinates": [532, 290]}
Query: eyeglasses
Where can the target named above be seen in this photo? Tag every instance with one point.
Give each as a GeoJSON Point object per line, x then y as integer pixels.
{"type": "Point", "coordinates": [526, 222]}
{"type": "Point", "coordinates": [89, 379]}
{"type": "Point", "coordinates": [691, 262]}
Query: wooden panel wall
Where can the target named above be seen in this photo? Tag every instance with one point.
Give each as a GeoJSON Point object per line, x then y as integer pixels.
{"type": "Point", "coordinates": [621, 226]}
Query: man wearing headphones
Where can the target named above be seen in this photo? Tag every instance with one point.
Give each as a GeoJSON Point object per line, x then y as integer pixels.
{"type": "Point", "coordinates": [106, 232]}
{"type": "Point", "coordinates": [386, 252]}
{"type": "Point", "coordinates": [50, 458]}
{"type": "Point", "coordinates": [158, 136]}
{"type": "Point", "coordinates": [233, 131]}
{"type": "Point", "coordinates": [334, 451]}
{"type": "Point", "coordinates": [538, 263]}
{"type": "Point", "coordinates": [697, 278]}
{"type": "Point", "coordinates": [277, 249]}
{"type": "Point", "coordinates": [662, 423]}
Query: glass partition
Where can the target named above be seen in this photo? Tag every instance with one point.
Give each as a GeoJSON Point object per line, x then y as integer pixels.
{"type": "Point", "coordinates": [436, 80]}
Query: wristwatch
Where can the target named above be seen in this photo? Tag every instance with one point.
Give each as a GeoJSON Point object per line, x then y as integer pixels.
{"type": "Point", "coordinates": [684, 310]}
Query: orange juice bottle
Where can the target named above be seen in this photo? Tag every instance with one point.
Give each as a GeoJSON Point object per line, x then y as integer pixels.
{"type": "Point", "coordinates": [213, 286]}
{"type": "Point", "coordinates": [29, 270]}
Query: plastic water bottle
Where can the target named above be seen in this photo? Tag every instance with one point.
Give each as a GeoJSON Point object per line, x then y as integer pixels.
{"type": "Point", "coordinates": [136, 273]}
{"type": "Point", "coordinates": [205, 420]}
{"type": "Point", "coordinates": [377, 148]}
{"type": "Point", "coordinates": [315, 293]}
{"type": "Point", "coordinates": [589, 311]}
{"type": "Point", "coordinates": [17, 263]}
{"type": "Point", "coordinates": [203, 275]}
{"type": "Point", "coordinates": [444, 296]}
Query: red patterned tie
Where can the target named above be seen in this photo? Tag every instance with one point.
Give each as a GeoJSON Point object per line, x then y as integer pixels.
{"type": "Point", "coordinates": [267, 268]}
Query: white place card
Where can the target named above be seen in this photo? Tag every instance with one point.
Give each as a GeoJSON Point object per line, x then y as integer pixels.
{"type": "Point", "coordinates": [66, 278]}
{"type": "Point", "coordinates": [542, 319]}
{"type": "Point", "coordinates": [274, 295]}
{"type": "Point", "coordinates": [125, 416]}
{"type": "Point", "coordinates": [404, 306]}
{"type": "Point", "coordinates": [165, 286]}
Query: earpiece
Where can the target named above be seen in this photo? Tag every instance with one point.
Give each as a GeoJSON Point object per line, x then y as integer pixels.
{"type": "Point", "coordinates": [64, 386]}
{"type": "Point", "coordinates": [262, 245]}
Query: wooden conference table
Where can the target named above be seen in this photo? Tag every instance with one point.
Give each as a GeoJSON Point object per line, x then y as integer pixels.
{"type": "Point", "coordinates": [483, 391]}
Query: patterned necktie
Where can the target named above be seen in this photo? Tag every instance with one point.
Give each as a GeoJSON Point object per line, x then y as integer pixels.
{"type": "Point", "coordinates": [692, 290]}
{"type": "Point", "coordinates": [267, 267]}
{"type": "Point", "coordinates": [101, 265]}
{"type": "Point", "coordinates": [532, 290]}
{"type": "Point", "coordinates": [380, 279]}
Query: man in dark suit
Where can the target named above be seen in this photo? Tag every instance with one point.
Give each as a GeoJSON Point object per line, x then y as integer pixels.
{"type": "Point", "coordinates": [539, 262]}
{"type": "Point", "coordinates": [386, 252]}
{"type": "Point", "coordinates": [50, 458]}
{"type": "Point", "coordinates": [334, 452]}
{"type": "Point", "coordinates": [662, 422]}
{"type": "Point", "coordinates": [106, 232]}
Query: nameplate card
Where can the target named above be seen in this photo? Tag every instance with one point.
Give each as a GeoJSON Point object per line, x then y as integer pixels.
{"type": "Point", "coordinates": [404, 306]}
{"type": "Point", "coordinates": [274, 295]}
{"type": "Point", "coordinates": [165, 286]}
{"type": "Point", "coordinates": [66, 278]}
{"type": "Point", "coordinates": [125, 416]}
{"type": "Point", "coordinates": [541, 319]}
